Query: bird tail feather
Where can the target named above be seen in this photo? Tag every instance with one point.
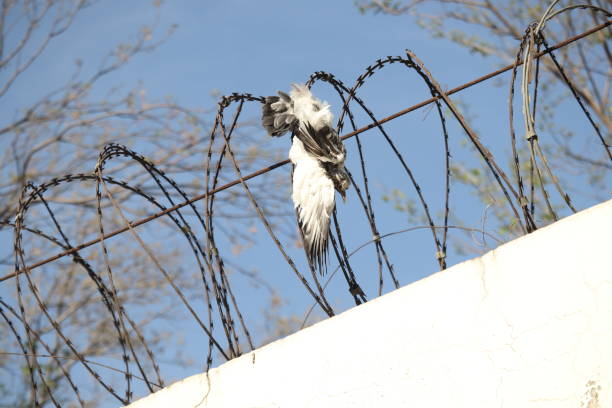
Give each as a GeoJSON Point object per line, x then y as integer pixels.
{"type": "Point", "coordinates": [277, 115]}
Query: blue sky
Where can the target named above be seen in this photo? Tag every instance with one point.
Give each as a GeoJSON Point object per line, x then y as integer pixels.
{"type": "Point", "coordinates": [246, 46]}
{"type": "Point", "coordinates": [262, 46]}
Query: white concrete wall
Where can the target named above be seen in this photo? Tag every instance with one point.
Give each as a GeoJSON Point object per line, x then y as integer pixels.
{"type": "Point", "coordinates": [527, 325]}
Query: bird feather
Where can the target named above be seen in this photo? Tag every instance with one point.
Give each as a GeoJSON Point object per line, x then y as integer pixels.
{"type": "Point", "coordinates": [313, 198]}
{"type": "Point", "coordinates": [318, 155]}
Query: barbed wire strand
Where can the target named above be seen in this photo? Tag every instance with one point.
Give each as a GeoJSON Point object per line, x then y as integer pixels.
{"type": "Point", "coordinates": [284, 162]}
{"type": "Point", "coordinates": [367, 207]}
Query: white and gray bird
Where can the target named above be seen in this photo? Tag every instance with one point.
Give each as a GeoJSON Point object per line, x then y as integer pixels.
{"type": "Point", "coordinates": [318, 155]}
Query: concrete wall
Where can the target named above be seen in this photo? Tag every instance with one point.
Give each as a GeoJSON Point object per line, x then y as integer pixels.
{"type": "Point", "coordinates": [527, 325]}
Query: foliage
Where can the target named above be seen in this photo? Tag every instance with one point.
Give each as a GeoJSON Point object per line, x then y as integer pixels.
{"type": "Point", "coordinates": [495, 30]}
{"type": "Point", "coordinates": [62, 133]}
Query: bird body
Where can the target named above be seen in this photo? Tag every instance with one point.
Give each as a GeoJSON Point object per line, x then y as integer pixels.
{"type": "Point", "coordinates": [318, 155]}
{"type": "Point", "coordinates": [314, 200]}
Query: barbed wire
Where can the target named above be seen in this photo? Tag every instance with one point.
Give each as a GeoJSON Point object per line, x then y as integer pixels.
{"type": "Point", "coordinates": [281, 163]}
{"type": "Point", "coordinates": [223, 322]}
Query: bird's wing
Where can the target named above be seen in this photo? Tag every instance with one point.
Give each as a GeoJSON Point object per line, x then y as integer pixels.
{"type": "Point", "coordinates": [313, 197]}
{"type": "Point", "coordinates": [277, 114]}
{"type": "Point", "coordinates": [323, 143]}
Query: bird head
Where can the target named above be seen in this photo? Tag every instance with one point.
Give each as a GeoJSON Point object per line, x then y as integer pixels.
{"type": "Point", "coordinates": [341, 181]}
